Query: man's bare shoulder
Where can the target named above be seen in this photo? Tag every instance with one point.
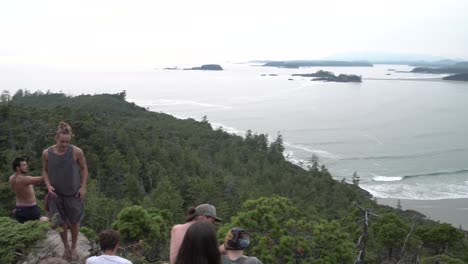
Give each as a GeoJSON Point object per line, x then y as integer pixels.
{"type": "Point", "coordinates": [45, 152]}
{"type": "Point", "coordinates": [77, 150]}
{"type": "Point", "coordinates": [19, 179]}
{"type": "Point", "coordinates": [177, 228]}
{"type": "Point", "coordinates": [11, 179]}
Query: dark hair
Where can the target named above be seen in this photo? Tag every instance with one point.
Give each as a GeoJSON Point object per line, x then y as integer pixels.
{"type": "Point", "coordinates": [191, 214]}
{"type": "Point", "coordinates": [108, 239]}
{"type": "Point", "coordinates": [17, 162]}
{"type": "Point", "coordinates": [200, 245]}
{"type": "Point", "coordinates": [237, 239]}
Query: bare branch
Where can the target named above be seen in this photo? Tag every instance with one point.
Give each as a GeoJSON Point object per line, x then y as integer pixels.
{"type": "Point", "coordinates": [404, 244]}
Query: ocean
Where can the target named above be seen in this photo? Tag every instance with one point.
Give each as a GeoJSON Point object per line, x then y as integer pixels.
{"type": "Point", "coordinates": [404, 134]}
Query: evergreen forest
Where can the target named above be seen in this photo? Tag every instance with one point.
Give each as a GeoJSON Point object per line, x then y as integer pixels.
{"type": "Point", "coordinates": [146, 169]}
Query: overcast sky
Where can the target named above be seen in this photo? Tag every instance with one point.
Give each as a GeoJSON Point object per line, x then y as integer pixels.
{"type": "Point", "coordinates": [198, 30]}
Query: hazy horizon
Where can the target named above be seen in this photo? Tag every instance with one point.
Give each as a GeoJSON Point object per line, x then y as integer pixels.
{"type": "Point", "coordinates": [145, 32]}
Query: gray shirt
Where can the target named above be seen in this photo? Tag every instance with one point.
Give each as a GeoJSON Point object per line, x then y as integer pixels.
{"type": "Point", "coordinates": [241, 260]}
{"type": "Point", "coordinates": [63, 172]}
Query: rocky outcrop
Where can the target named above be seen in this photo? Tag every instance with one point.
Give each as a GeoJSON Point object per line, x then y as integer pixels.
{"type": "Point", "coordinates": [51, 249]}
{"type": "Point", "coordinates": [207, 67]}
{"type": "Point", "coordinates": [330, 77]}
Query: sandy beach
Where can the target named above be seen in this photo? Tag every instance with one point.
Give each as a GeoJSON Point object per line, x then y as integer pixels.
{"type": "Point", "coordinates": [453, 211]}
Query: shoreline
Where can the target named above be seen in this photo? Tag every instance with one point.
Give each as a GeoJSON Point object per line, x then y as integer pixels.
{"type": "Point", "coordinates": [432, 79]}
{"type": "Point", "coordinates": [452, 211]}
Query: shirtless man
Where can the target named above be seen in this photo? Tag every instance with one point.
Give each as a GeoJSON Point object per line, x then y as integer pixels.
{"type": "Point", "coordinates": [203, 212]}
{"type": "Point", "coordinates": [22, 185]}
{"type": "Point", "coordinates": [65, 175]}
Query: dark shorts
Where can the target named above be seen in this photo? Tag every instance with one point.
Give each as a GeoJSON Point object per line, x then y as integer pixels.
{"type": "Point", "coordinates": [27, 213]}
{"type": "Point", "coordinates": [65, 209]}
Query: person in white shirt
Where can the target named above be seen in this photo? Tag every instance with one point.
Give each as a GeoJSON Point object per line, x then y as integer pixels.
{"type": "Point", "coordinates": [109, 241]}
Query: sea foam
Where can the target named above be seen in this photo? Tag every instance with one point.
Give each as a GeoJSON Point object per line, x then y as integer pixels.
{"type": "Point", "coordinates": [170, 102]}
{"type": "Point", "coordinates": [429, 174]}
{"type": "Point", "coordinates": [318, 152]}
{"type": "Point", "coordinates": [387, 178]}
{"type": "Point", "coordinates": [399, 190]}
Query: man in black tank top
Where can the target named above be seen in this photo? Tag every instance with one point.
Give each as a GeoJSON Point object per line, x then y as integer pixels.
{"type": "Point", "coordinates": [65, 174]}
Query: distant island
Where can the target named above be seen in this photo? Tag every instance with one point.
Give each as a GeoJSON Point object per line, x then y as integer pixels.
{"type": "Point", "coordinates": [207, 67]}
{"type": "Point", "coordinates": [457, 77]}
{"type": "Point", "coordinates": [434, 64]}
{"type": "Point", "coordinates": [172, 68]}
{"type": "Point", "coordinates": [330, 77]}
{"type": "Point", "coordinates": [271, 74]}
{"type": "Point", "coordinates": [376, 57]}
{"type": "Point", "coordinates": [204, 67]}
{"type": "Point", "coordinates": [294, 64]}
{"type": "Point", "coordinates": [461, 67]}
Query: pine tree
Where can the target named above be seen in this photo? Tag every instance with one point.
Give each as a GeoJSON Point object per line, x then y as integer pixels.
{"type": "Point", "coordinates": [355, 178]}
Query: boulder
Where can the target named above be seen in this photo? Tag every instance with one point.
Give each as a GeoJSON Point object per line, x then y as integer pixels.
{"type": "Point", "coordinates": [51, 249]}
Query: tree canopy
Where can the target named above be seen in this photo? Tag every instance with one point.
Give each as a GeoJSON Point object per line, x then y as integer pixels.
{"type": "Point", "coordinates": [146, 169]}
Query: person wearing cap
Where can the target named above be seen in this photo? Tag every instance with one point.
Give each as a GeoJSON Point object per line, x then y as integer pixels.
{"type": "Point", "coordinates": [235, 242]}
{"type": "Point", "coordinates": [203, 212]}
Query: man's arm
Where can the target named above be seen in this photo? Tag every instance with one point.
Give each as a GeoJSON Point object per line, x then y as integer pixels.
{"type": "Point", "coordinates": [80, 158]}
{"type": "Point", "coordinates": [33, 180]}
{"type": "Point", "coordinates": [45, 174]}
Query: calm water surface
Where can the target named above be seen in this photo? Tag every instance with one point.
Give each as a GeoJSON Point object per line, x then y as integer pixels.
{"type": "Point", "coordinates": [407, 139]}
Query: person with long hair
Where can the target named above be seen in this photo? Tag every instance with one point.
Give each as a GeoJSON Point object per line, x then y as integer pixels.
{"type": "Point", "coordinates": [201, 213]}
{"type": "Point", "coordinates": [200, 245]}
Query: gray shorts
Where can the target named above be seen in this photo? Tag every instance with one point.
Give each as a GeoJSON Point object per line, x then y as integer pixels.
{"type": "Point", "coordinates": [65, 209]}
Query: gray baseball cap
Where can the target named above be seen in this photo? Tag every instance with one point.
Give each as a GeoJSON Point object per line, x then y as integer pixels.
{"type": "Point", "coordinates": [207, 210]}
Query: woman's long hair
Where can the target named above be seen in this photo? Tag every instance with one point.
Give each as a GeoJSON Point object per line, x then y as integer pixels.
{"type": "Point", "coordinates": [200, 245]}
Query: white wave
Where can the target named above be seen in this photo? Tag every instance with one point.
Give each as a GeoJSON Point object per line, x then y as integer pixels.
{"type": "Point", "coordinates": [170, 102]}
{"type": "Point", "coordinates": [228, 129]}
{"type": "Point", "coordinates": [296, 161]}
{"type": "Point", "coordinates": [422, 191]}
{"type": "Point", "coordinates": [299, 162]}
{"type": "Point", "coordinates": [318, 152]}
{"type": "Point", "coordinates": [288, 153]}
{"type": "Point", "coordinates": [387, 178]}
